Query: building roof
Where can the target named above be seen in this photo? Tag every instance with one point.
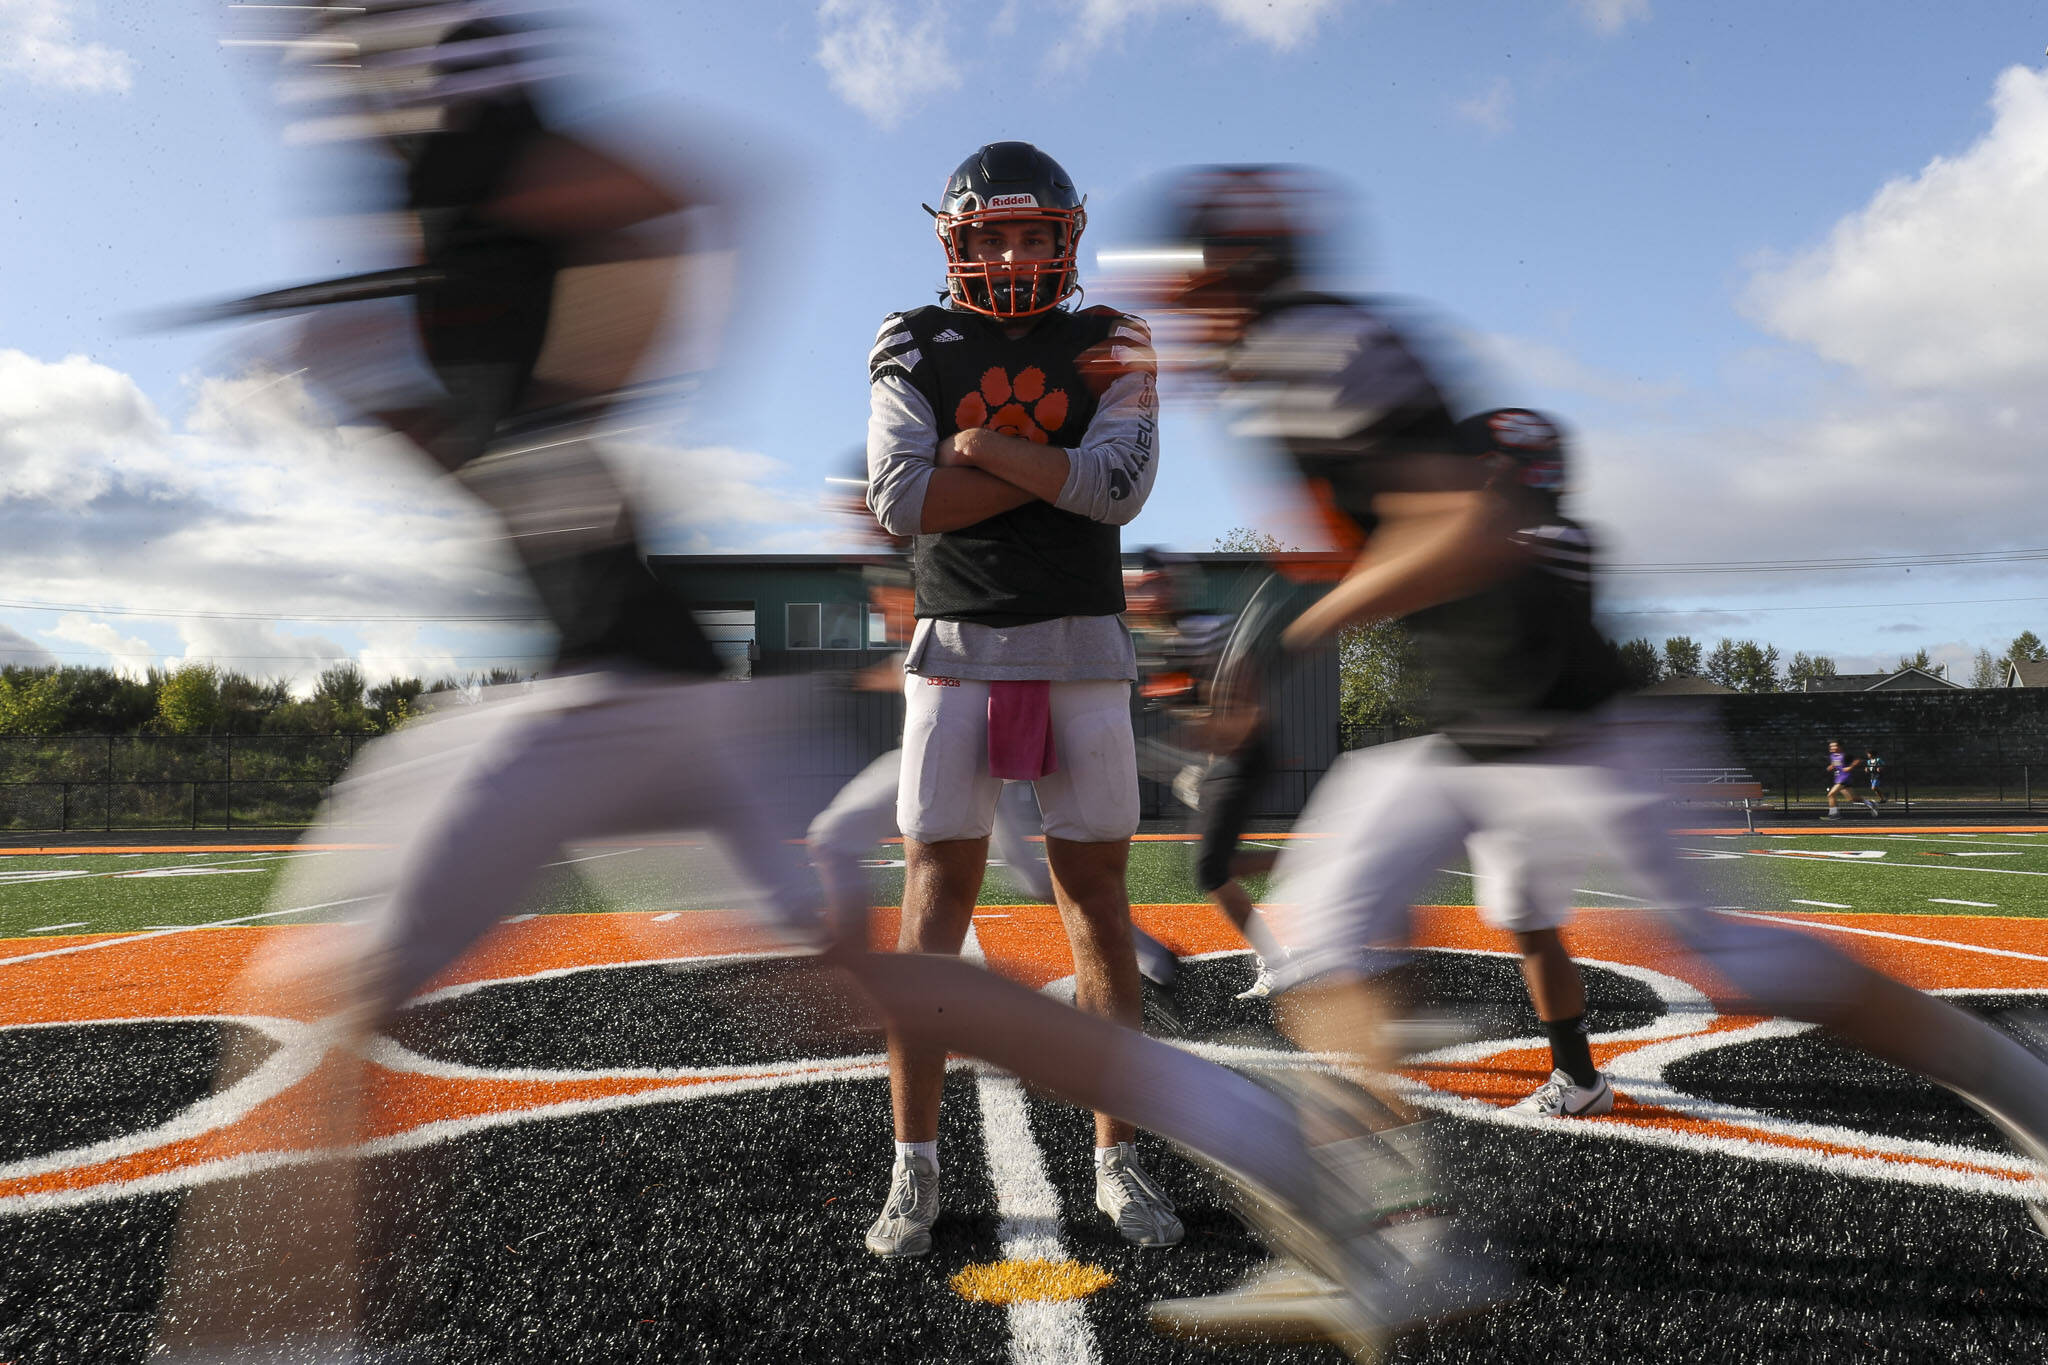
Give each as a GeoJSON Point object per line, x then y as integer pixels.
{"type": "Point", "coordinates": [1904, 680]}
{"type": "Point", "coordinates": [1687, 687]}
{"type": "Point", "coordinates": [2026, 673]}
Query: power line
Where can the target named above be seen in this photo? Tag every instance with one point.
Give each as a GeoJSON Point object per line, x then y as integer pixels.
{"type": "Point", "coordinates": [1958, 558]}
{"type": "Point", "coordinates": [1827, 606]}
{"type": "Point", "coordinates": [245, 615]}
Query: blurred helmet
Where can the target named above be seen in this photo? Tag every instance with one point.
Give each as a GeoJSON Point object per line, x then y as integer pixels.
{"type": "Point", "coordinates": [390, 70]}
{"type": "Point", "coordinates": [1527, 447]}
{"type": "Point", "coordinates": [1005, 181]}
{"type": "Point", "coordinates": [1228, 235]}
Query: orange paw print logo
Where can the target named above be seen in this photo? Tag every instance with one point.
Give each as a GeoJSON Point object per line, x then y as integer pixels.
{"type": "Point", "coordinates": [1014, 407]}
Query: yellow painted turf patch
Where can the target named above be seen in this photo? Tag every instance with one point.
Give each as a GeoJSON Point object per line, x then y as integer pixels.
{"type": "Point", "coordinates": [1007, 1282]}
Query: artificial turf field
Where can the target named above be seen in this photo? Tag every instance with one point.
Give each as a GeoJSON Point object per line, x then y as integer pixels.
{"type": "Point", "coordinates": [617, 1132]}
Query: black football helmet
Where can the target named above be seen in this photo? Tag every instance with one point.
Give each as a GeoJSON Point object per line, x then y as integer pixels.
{"type": "Point", "coordinates": [1525, 447]}
{"type": "Point", "coordinates": [1002, 181]}
{"type": "Point", "coordinates": [1228, 234]}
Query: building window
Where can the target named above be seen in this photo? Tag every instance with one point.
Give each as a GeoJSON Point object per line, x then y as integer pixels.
{"type": "Point", "coordinates": [878, 629]}
{"type": "Point", "coordinates": [823, 625]}
{"type": "Point", "coordinates": [729, 626]}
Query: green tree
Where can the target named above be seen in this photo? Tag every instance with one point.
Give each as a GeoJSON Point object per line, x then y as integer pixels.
{"type": "Point", "coordinates": [1640, 664]}
{"type": "Point", "coordinates": [394, 701]}
{"type": "Point", "coordinates": [1380, 684]}
{"type": "Point", "coordinates": [1986, 671]}
{"type": "Point", "coordinates": [1918, 660]}
{"type": "Point", "coordinates": [1681, 657]}
{"type": "Point", "coordinates": [343, 684]}
{"type": "Point", "coordinates": [1248, 540]}
{"type": "Point", "coordinates": [2026, 647]}
{"type": "Point", "coordinates": [99, 701]}
{"type": "Point", "coordinates": [1744, 666]}
{"type": "Point", "coordinates": [188, 701]}
{"type": "Point", "coordinates": [1806, 668]}
{"type": "Point", "coordinates": [31, 702]}
{"type": "Point", "coordinates": [249, 701]}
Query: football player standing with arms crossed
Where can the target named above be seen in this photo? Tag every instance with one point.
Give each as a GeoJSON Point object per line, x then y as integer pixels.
{"type": "Point", "coordinates": [1011, 437]}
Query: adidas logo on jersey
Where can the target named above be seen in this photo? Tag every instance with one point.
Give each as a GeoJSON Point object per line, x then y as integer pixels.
{"type": "Point", "coordinates": [948, 335]}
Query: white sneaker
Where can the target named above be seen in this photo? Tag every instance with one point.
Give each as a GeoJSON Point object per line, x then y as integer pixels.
{"type": "Point", "coordinates": [1558, 1098]}
{"type": "Point", "coordinates": [905, 1225]}
{"type": "Point", "coordinates": [1373, 1258]}
{"type": "Point", "coordinates": [1262, 983]}
{"type": "Point", "coordinates": [1140, 1209]}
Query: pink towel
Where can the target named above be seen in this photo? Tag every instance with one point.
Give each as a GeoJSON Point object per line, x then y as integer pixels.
{"type": "Point", "coordinates": [1020, 730]}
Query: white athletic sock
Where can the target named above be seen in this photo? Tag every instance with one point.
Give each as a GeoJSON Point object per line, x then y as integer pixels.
{"type": "Point", "coordinates": [1103, 1154]}
{"type": "Point", "coordinates": [928, 1150]}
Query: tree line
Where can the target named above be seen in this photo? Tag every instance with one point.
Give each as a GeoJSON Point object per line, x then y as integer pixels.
{"type": "Point", "coordinates": [204, 699]}
{"type": "Point", "coordinates": [1747, 666]}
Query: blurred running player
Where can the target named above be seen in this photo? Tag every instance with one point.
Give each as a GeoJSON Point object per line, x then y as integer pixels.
{"type": "Point", "coordinates": [1454, 526]}
{"type": "Point", "coordinates": [1011, 438]}
{"type": "Point", "coordinates": [1841, 773]}
{"type": "Point", "coordinates": [545, 272]}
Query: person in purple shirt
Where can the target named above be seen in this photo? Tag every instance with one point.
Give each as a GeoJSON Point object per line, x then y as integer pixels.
{"type": "Point", "coordinates": [1840, 768]}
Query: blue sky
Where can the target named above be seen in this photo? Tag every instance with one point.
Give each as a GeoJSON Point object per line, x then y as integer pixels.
{"type": "Point", "coordinates": [1778, 266]}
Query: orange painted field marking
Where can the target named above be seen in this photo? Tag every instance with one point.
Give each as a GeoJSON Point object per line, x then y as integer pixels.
{"type": "Point", "coordinates": [195, 975]}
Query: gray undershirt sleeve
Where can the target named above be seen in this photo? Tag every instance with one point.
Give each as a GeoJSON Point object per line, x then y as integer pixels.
{"type": "Point", "coordinates": [903, 450]}
{"type": "Point", "coordinates": [1110, 474]}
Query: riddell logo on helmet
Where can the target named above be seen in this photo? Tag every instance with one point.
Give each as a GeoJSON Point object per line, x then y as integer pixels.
{"type": "Point", "coordinates": [1013, 201]}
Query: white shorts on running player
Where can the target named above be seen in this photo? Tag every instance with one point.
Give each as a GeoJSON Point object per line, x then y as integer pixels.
{"type": "Point", "coordinates": [468, 806]}
{"type": "Point", "coordinates": [948, 792]}
{"type": "Point", "coordinates": [1390, 817]}
{"type": "Point", "coordinates": [1521, 882]}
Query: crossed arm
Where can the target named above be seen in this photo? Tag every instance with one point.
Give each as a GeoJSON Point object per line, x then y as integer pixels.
{"type": "Point", "coordinates": [919, 484]}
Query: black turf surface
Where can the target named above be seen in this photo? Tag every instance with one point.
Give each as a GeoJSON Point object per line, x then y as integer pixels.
{"type": "Point", "coordinates": [729, 1228]}
{"type": "Point", "coordinates": [1812, 1079]}
{"type": "Point", "coordinates": [71, 1085]}
{"type": "Point", "coordinates": [720, 1014]}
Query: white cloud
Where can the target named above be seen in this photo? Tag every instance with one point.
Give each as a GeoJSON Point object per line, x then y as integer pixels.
{"type": "Point", "coordinates": [125, 654]}
{"type": "Point", "coordinates": [884, 57]}
{"type": "Point", "coordinates": [37, 43]}
{"type": "Point", "coordinates": [1938, 281]}
{"type": "Point", "coordinates": [1491, 109]}
{"type": "Point", "coordinates": [252, 517]}
{"type": "Point", "coordinates": [1612, 16]}
{"type": "Point", "coordinates": [1279, 24]}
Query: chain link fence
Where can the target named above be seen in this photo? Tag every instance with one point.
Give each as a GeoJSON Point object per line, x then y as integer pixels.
{"type": "Point", "coordinates": [125, 782]}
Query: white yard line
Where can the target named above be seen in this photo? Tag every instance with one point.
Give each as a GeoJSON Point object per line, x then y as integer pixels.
{"type": "Point", "coordinates": [1044, 1333]}
{"type": "Point", "coordinates": [1576, 891]}
{"type": "Point", "coordinates": [1902, 938]}
{"type": "Point", "coordinates": [182, 929]}
{"type": "Point", "coordinates": [1825, 905]}
{"type": "Point", "coordinates": [53, 928]}
{"type": "Point", "coordinates": [665, 917]}
{"type": "Point", "coordinates": [593, 857]}
{"type": "Point", "coordinates": [1872, 862]}
{"type": "Point", "coordinates": [1980, 905]}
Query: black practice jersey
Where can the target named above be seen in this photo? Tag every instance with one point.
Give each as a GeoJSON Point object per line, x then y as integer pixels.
{"type": "Point", "coordinates": [1344, 392]}
{"type": "Point", "coordinates": [1035, 562]}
